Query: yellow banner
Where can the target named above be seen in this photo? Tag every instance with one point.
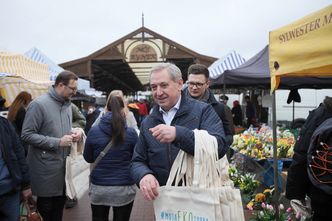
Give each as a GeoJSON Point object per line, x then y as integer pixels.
{"type": "Point", "coordinates": [302, 48]}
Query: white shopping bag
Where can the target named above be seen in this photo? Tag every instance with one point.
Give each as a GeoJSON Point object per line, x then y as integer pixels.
{"type": "Point", "coordinates": [77, 172]}
{"type": "Point", "coordinates": [208, 194]}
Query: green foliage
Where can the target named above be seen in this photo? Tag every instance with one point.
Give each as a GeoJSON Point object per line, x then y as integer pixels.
{"type": "Point", "coordinates": [245, 182]}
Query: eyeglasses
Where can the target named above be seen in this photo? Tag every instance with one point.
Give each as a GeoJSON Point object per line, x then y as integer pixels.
{"type": "Point", "coordinates": [197, 84]}
{"type": "Point", "coordinates": [72, 88]}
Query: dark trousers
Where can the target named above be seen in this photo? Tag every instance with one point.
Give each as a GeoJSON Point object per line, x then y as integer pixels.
{"type": "Point", "coordinates": [121, 213]}
{"type": "Point", "coordinates": [10, 206]}
{"type": "Point", "coordinates": [322, 210]}
{"type": "Point", "coordinates": [51, 208]}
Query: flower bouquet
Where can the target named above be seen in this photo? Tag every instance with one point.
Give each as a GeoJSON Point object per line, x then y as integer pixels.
{"type": "Point", "coordinates": [263, 210]}
{"type": "Point", "coordinates": [259, 143]}
{"type": "Point", "coordinates": [246, 182]}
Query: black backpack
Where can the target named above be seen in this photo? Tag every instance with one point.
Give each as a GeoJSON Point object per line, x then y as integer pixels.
{"type": "Point", "coordinates": [319, 158]}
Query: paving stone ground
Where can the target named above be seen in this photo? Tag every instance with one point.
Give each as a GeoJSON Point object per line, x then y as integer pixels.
{"type": "Point", "coordinates": [142, 210]}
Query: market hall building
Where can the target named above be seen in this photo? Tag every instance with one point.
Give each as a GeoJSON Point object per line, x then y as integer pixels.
{"type": "Point", "coordinates": [125, 63]}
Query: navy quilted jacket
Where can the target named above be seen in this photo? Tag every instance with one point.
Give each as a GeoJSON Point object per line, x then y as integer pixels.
{"type": "Point", "coordinates": [153, 157]}
{"type": "Point", "coordinates": [114, 168]}
{"type": "Point", "coordinates": [14, 158]}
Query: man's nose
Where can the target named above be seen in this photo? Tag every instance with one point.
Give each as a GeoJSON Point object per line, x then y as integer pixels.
{"type": "Point", "coordinates": [159, 91]}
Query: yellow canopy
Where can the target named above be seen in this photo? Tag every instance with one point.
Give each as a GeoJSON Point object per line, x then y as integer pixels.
{"type": "Point", "coordinates": [21, 66]}
{"type": "Point", "coordinates": [303, 48]}
{"type": "Point", "coordinates": [10, 87]}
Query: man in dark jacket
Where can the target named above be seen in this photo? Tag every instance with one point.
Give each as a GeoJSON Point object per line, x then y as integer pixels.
{"type": "Point", "coordinates": [198, 88]}
{"type": "Point", "coordinates": [169, 128]}
{"type": "Point", "coordinates": [14, 174]}
{"type": "Point", "coordinates": [298, 183]}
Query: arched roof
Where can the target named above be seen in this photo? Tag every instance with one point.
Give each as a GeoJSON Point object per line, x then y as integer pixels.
{"type": "Point", "coordinates": [125, 63]}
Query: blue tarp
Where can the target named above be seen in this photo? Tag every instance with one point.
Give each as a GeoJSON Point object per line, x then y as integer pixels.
{"type": "Point", "coordinates": [36, 55]}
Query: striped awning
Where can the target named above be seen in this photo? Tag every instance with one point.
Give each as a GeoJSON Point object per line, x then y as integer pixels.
{"type": "Point", "coordinates": [229, 62]}
{"type": "Point", "coordinates": [10, 87]}
{"type": "Point", "coordinates": [36, 55]}
{"type": "Point", "coordinates": [21, 66]}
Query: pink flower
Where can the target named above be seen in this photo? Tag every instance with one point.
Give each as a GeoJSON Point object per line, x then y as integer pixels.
{"type": "Point", "coordinates": [298, 215]}
{"type": "Point", "coordinates": [263, 205]}
{"type": "Point", "coordinates": [289, 210]}
{"type": "Point", "coordinates": [270, 207]}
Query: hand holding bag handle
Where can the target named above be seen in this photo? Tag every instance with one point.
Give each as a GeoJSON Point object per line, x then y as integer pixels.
{"type": "Point", "coordinates": [206, 171]}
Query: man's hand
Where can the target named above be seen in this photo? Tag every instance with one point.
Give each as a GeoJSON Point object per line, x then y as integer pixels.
{"type": "Point", "coordinates": [149, 187]}
{"type": "Point", "coordinates": [66, 141]}
{"type": "Point", "coordinates": [26, 194]}
{"type": "Point", "coordinates": [76, 135]}
{"type": "Point", "coordinates": [164, 133]}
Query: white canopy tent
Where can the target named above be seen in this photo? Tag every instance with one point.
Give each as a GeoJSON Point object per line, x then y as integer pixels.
{"type": "Point", "coordinates": [231, 61]}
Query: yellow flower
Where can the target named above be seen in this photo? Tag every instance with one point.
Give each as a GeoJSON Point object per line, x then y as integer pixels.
{"type": "Point", "coordinates": [250, 204]}
{"type": "Point", "coordinates": [260, 197]}
{"type": "Point", "coordinates": [267, 191]}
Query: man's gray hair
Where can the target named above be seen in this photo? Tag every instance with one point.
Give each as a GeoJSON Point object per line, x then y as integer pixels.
{"type": "Point", "coordinates": [172, 69]}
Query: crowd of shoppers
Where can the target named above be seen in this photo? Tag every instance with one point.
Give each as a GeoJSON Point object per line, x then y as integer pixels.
{"type": "Point", "coordinates": [142, 148]}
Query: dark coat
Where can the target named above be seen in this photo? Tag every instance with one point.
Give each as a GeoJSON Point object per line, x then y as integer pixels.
{"type": "Point", "coordinates": [298, 183]}
{"type": "Point", "coordinates": [220, 109]}
{"type": "Point", "coordinates": [13, 156]}
{"type": "Point", "coordinates": [153, 157]}
{"type": "Point", "coordinates": [114, 168]}
{"type": "Point", "coordinates": [237, 115]}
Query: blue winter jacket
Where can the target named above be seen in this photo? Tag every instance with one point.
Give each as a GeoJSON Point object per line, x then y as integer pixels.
{"type": "Point", "coordinates": [114, 168]}
{"type": "Point", "coordinates": [14, 159]}
{"type": "Point", "coordinates": [153, 157]}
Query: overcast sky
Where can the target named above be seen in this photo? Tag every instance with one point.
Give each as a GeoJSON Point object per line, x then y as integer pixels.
{"type": "Point", "coordinates": [69, 29]}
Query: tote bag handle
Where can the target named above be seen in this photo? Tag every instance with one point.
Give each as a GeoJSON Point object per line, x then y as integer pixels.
{"type": "Point", "coordinates": [202, 170]}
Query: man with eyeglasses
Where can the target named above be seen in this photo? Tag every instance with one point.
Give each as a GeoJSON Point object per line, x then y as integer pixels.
{"type": "Point", "coordinates": [198, 88]}
{"type": "Point", "coordinates": [47, 128]}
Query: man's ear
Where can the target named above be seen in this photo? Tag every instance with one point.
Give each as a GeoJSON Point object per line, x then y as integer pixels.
{"type": "Point", "coordinates": [180, 83]}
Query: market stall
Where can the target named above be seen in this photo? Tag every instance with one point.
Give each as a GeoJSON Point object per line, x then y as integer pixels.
{"type": "Point", "coordinates": [11, 86]}
{"type": "Point", "coordinates": [255, 73]}
{"type": "Point", "coordinates": [256, 145]}
{"type": "Point", "coordinates": [309, 37]}
{"type": "Point", "coordinates": [21, 73]}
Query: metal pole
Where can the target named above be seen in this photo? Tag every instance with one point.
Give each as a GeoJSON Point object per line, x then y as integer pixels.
{"type": "Point", "coordinates": [224, 89]}
{"type": "Point", "coordinates": [275, 157]}
{"type": "Point", "coordinates": [293, 112]}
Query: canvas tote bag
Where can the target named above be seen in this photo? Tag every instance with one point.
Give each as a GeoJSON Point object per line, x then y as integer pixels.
{"type": "Point", "coordinates": [203, 190]}
{"type": "Point", "coordinates": [77, 171]}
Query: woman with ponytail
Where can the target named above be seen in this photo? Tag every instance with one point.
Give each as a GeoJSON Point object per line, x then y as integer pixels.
{"type": "Point", "coordinates": [111, 182]}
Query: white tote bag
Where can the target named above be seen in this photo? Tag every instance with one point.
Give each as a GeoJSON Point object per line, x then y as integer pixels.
{"type": "Point", "coordinates": [77, 171]}
{"type": "Point", "coordinates": [206, 192]}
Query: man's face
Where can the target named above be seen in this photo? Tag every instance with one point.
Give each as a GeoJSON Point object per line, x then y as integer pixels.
{"type": "Point", "coordinates": [165, 91]}
{"type": "Point", "coordinates": [197, 85]}
{"type": "Point", "coordinates": [67, 91]}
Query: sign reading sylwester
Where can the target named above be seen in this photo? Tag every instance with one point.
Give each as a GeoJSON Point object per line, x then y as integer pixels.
{"type": "Point", "coordinates": [302, 48]}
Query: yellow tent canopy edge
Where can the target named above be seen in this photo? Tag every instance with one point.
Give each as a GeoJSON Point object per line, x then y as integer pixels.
{"type": "Point", "coordinates": [302, 48]}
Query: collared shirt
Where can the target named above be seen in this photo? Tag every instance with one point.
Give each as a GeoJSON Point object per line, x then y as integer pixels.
{"type": "Point", "coordinates": [169, 115]}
